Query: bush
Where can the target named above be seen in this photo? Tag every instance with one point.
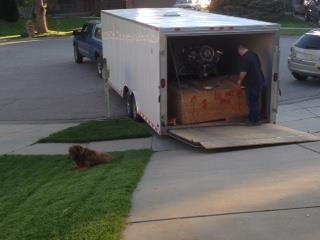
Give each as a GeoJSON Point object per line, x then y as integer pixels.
{"type": "Point", "coordinates": [270, 10]}
{"type": "Point", "coordinates": [10, 10]}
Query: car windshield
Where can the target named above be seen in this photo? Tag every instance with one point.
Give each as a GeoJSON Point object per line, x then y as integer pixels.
{"type": "Point", "coordinates": [309, 41]}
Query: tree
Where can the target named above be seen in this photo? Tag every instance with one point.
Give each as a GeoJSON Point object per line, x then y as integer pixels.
{"type": "Point", "coordinates": [270, 10]}
{"type": "Point", "coordinates": [9, 10]}
{"type": "Point", "coordinates": [40, 10]}
{"type": "Point", "coordinates": [1, 10]}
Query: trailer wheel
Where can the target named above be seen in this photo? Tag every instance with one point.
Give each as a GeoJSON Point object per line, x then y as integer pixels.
{"type": "Point", "coordinates": [129, 105]}
{"type": "Point", "coordinates": [135, 115]}
{"type": "Point", "coordinates": [78, 58]}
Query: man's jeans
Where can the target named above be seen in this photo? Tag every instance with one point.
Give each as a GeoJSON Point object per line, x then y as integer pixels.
{"type": "Point", "coordinates": [252, 96]}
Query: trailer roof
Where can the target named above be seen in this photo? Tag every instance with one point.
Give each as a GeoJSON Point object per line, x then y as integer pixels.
{"type": "Point", "coordinates": [173, 19]}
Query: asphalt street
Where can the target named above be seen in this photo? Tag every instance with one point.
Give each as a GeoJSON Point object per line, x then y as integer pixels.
{"type": "Point", "coordinates": [41, 83]}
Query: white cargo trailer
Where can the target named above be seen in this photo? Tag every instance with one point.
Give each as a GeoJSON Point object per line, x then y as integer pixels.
{"type": "Point", "coordinates": [176, 68]}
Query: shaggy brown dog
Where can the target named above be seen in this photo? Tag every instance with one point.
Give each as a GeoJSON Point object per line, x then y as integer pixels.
{"type": "Point", "coordinates": [85, 157]}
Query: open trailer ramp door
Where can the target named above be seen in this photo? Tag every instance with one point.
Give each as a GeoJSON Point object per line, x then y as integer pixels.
{"type": "Point", "coordinates": [237, 136]}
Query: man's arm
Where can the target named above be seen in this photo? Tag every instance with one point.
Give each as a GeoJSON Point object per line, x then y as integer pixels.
{"type": "Point", "coordinates": [242, 75]}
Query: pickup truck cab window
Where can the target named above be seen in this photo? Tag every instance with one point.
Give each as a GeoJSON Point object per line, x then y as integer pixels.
{"type": "Point", "coordinates": [97, 33]}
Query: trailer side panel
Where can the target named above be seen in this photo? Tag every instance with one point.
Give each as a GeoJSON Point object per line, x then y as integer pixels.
{"type": "Point", "coordinates": [132, 54]}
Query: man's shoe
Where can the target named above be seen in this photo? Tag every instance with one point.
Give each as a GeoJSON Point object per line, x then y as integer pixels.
{"type": "Point", "coordinates": [255, 123]}
{"type": "Point", "coordinates": [249, 123]}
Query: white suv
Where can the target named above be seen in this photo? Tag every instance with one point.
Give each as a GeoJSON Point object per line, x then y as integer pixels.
{"type": "Point", "coordinates": [304, 58]}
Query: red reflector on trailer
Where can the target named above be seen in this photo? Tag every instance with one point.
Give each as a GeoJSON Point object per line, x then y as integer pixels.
{"type": "Point", "coordinates": [162, 83]}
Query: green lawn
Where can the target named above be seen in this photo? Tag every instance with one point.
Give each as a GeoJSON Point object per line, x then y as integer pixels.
{"type": "Point", "coordinates": [110, 129]}
{"type": "Point", "coordinates": [57, 26]}
{"type": "Point", "coordinates": [291, 21]}
{"type": "Point", "coordinates": [41, 198]}
{"type": "Point", "coordinates": [292, 26]}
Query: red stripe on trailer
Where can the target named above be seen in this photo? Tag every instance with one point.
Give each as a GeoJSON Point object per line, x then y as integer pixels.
{"type": "Point", "coordinates": [149, 122]}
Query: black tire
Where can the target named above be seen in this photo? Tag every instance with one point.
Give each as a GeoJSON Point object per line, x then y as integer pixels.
{"type": "Point", "coordinates": [78, 58]}
{"type": "Point", "coordinates": [299, 76]}
{"type": "Point", "coordinates": [99, 66]}
{"type": "Point", "coordinates": [135, 115]}
{"type": "Point", "coordinates": [128, 105]}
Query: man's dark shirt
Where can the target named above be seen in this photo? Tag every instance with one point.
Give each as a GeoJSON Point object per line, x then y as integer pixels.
{"type": "Point", "coordinates": [250, 64]}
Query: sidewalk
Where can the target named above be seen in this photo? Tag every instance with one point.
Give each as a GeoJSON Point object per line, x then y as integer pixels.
{"type": "Point", "coordinates": [304, 116]}
{"type": "Point", "coordinates": [20, 138]}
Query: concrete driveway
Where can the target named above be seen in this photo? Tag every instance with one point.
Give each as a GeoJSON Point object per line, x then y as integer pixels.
{"type": "Point", "coordinates": [253, 194]}
{"type": "Point", "coordinates": [265, 193]}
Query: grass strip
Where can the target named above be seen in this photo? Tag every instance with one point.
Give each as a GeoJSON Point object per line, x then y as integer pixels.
{"type": "Point", "coordinates": [110, 129]}
{"type": "Point", "coordinates": [62, 26]}
{"type": "Point", "coordinates": [41, 198]}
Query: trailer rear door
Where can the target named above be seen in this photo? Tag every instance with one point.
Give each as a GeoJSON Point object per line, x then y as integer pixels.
{"type": "Point", "coordinates": [238, 136]}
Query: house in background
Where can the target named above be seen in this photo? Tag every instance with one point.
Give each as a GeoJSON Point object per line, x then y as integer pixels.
{"type": "Point", "coordinates": [150, 3]}
{"type": "Point", "coordinates": [83, 7]}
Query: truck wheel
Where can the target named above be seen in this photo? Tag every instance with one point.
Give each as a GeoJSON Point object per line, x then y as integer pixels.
{"type": "Point", "coordinates": [299, 76]}
{"type": "Point", "coordinates": [128, 105]}
{"type": "Point", "coordinates": [135, 115]}
{"type": "Point", "coordinates": [99, 66]}
{"type": "Point", "coordinates": [78, 58]}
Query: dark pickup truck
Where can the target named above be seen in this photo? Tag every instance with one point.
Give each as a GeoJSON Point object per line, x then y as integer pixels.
{"type": "Point", "coordinates": [88, 43]}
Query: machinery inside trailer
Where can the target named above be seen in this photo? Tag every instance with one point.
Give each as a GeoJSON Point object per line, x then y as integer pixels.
{"type": "Point", "coordinates": [203, 73]}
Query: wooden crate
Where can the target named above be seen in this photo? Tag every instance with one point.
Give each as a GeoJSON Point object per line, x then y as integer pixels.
{"type": "Point", "coordinates": [200, 103]}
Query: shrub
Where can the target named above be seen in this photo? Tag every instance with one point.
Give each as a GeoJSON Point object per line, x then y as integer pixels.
{"type": "Point", "coordinates": [270, 10]}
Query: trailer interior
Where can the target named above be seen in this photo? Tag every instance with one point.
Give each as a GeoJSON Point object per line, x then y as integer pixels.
{"type": "Point", "coordinates": [202, 78]}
